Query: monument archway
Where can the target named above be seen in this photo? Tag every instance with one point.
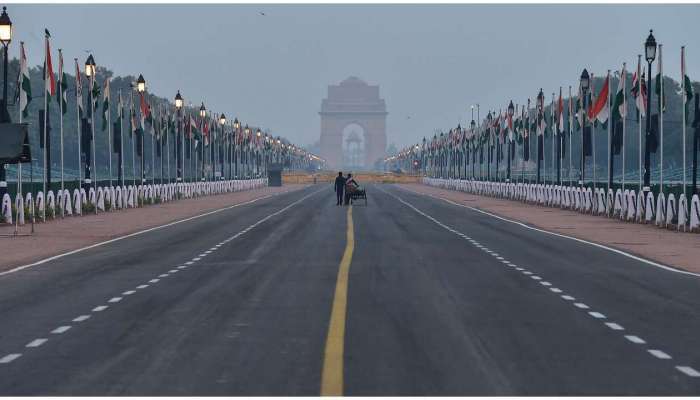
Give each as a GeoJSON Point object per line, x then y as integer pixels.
{"type": "Point", "coordinates": [353, 106]}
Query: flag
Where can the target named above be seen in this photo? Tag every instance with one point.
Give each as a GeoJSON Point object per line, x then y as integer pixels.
{"type": "Point", "coordinates": [619, 104]}
{"type": "Point", "coordinates": [687, 85]}
{"type": "Point", "coordinates": [49, 79]}
{"type": "Point", "coordinates": [79, 89]}
{"type": "Point", "coordinates": [560, 113]}
{"type": "Point", "coordinates": [120, 113]}
{"type": "Point", "coordinates": [25, 92]}
{"type": "Point", "coordinates": [640, 99]}
{"type": "Point", "coordinates": [658, 83]}
{"type": "Point", "coordinates": [105, 104]}
{"type": "Point", "coordinates": [601, 108]}
{"type": "Point", "coordinates": [62, 84]}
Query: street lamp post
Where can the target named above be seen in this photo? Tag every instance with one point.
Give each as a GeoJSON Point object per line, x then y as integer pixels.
{"type": "Point", "coordinates": [5, 38]}
{"type": "Point", "coordinates": [472, 125]}
{"type": "Point", "coordinates": [141, 88]}
{"type": "Point", "coordinates": [257, 154]}
{"type": "Point", "coordinates": [246, 132]}
{"type": "Point", "coordinates": [236, 127]}
{"type": "Point", "coordinates": [650, 55]}
{"type": "Point", "coordinates": [180, 148]}
{"type": "Point", "coordinates": [540, 138]}
{"type": "Point", "coordinates": [222, 123]}
{"type": "Point", "coordinates": [511, 111]}
{"type": "Point", "coordinates": [489, 118]}
{"type": "Point", "coordinates": [202, 114]}
{"type": "Point", "coordinates": [90, 70]}
{"type": "Point", "coordinates": [585, 84]}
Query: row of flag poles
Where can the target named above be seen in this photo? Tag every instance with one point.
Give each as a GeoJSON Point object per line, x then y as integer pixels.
{"type": "Point", "coordinates": [213, 147]}
{"type": "Point", "coordinates": [452, 154]}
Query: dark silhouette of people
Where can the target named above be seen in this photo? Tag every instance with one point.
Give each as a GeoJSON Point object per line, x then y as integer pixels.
{"type": "Point", "coordinates": [339, 188]}
{"type": "Point", "coordinates": [350, 186]}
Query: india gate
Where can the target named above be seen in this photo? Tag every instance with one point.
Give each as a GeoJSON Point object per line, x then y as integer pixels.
{"type": "Point", "coordinates": [353, 125]}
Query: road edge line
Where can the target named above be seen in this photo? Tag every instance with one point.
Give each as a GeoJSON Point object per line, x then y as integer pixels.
{"type": "Point", "coordinates": [584, 241]}
{"type": "Point", "coordinates": [155, 228]}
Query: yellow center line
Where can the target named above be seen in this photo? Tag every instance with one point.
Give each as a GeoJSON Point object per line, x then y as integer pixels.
{"type": "Point", "coordinates": [332, 372]}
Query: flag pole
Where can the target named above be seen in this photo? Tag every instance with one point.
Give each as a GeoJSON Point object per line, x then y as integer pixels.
{"type": "Point", "coordinates": [46, 99]}
{"type": "Point", "coordinates": [571, 122]}
{"type": "Point", "coordinates": [593, 129]}
{"type": "Point", "coordinates": [132, 124]}
{"type": "Point", "coordinates": [109, 131]}
{"type": "Point", "coordinates": [639, 114]}
{"type": "Point", "coordinates": [624, 117]}
{"type": "Point", "coordinates": [683, 121]}
{"type": "Point", "coordinates": [92, 126]}
{"type": "Point", "coordinates": [60, 106]}
{"type": "Point", "coordinates": [661, 118]}
{"type": "Point", "coordinates": [610, 156]}
{"type": "Point", "coordinates": [78, 97]}
{"type": "Point", "coordinates": [121, 138]}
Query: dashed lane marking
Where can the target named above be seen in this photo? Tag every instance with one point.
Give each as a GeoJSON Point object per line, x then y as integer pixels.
{"type": "Point", "coordinates": [99, 308]}
{"type": "Point", "coordinates": [10, 357]}
{"type": "Point", "coordinates": [635, 339]}
{"type": "Point", "coordinates": [614, 326]}
{"type": "Point", "coordinates": [61, 329]}
{"type": "Point", "coordinates": [688, 371]}
{"type": "Point", "coordinates": [81, 318]}
{"type": "Point", "coordinates": [36, 342]}
{"type": "Point", "coordinates": [659, 354]}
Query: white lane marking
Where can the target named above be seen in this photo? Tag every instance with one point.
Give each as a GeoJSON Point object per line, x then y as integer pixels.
{"type": "Point", "coordinates": [504, 262]}
{"type": "Point", "coordinates": [10, 357]}
{"type": "Point", "coordinates": [203, 255]}
{"type": "Point", "coordinates": [555, 290]}
{"type": "Point", "coordinates": [527, 272]}
{"type": "Point", "coordinates": [596, 314]}
{"type": "Point", "coordinates": [141, 286]}
{"type": "Point", "coordinates": [61, 329]}
{"type": "Point", "coordinates": [567, 297]}
{"type": "Point", "coordinates": [214, 248]}
{"type": "Point", "coordinates": [614, 326]}
{"type": "Point", "coordinates": [196, 258]}
{"type": "Point", "coordinates": [659, 354]}
{"type": "Point", "coordinates": [99, 308]}
{"type": "Point", "coordinates": [128, 292]}
{"type": "Point", "coordinates": [36, 342]}
{"type": "Point", "coordinates": [535, 277]}
{"type": "Point", "coordinates": [635, 339]}
{"type": "Point", "coordinates": [601, 246]}
{"type": "Point", "coordinates": [182, 267]}
{"type": "Point", "coordinates": [114, 300]}
{"type": "Point", "coordinates": [544, 283]}
{"type": "Point", "coordinates": [154, 281]}
{"type": "Point", "coordinates": [81, 318]}
{"type": "Point", "coordinates": [581, 305]}
{"type": "Point", "coordinates": [172, 271]}
{"type": "Point", "coordinates": [155, 228]}
{"type": "Point", "coordinates": [163, 275]}
{"type": "Point", "coordinates": [688, 371]}
{"type": "Point", "coordinates": [189, 263]}
{"type": "Point", "coordinates": [520, 269]}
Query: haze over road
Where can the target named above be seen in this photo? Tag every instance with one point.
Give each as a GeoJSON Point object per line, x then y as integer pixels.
{"type": "Point", "coordinates": [292, 295]}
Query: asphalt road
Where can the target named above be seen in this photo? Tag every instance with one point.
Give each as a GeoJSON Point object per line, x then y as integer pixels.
{"type": "Point", "coordinates": [431, 299]}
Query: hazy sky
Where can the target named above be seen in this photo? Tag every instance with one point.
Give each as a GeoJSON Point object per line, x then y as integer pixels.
{"type": "Point", "coordinates": [431, 61]}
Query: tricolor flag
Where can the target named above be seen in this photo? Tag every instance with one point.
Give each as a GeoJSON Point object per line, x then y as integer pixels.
{"type": "Point", "coordinates": [619, 103]}
{"type": "Point", "coordinates": [62, 84]}
{"type": "Point", "coordinates": [49, 79]}
{"type": "Point", "coordinates": [25, 91]}
{"type": "Point", "coordinates": [639, 100]}
{"type": "Point", "coordinates": [79, 89]}
{"type": "Point", "coordinates": [105, 104]}
{"type": "Point", "coordinates": [687, 86]}
{"type": "Point", "coordinates": [601, 108]}
{"type": "Point", "coordinates": [560, 113]}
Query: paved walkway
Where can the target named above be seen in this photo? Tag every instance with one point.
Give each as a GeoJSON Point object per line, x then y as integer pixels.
{"type": "Point", "coordinates": [680, 250]}
{"type": "Point", "coordinates": [62, 235]}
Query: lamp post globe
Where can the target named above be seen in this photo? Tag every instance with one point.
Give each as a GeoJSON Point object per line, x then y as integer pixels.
{"type": "Point", "coordinates": [650, 47]}
{"type": "Point", "coordinates": [178, 101]}
{"type": "Point", "coordinates": [585, 81]}
{"type": "Point", "coordinates": [222, 119]}
{"type": "Point", "coordinates": [202, 111]}
{"type": "Point", "coordinates": [5, 28]}
{"type": "Point", "coordinates": [511, 108]}
{"type": "Point", "coordinates": [90, 66]}
{"type": "Point", "coordinates": [141, 84]}
{"type": "Point", "coordinates": [236, 124]}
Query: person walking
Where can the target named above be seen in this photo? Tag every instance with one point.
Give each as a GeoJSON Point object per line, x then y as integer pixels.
{"type": "Point", "coordinates": [339, 188]}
